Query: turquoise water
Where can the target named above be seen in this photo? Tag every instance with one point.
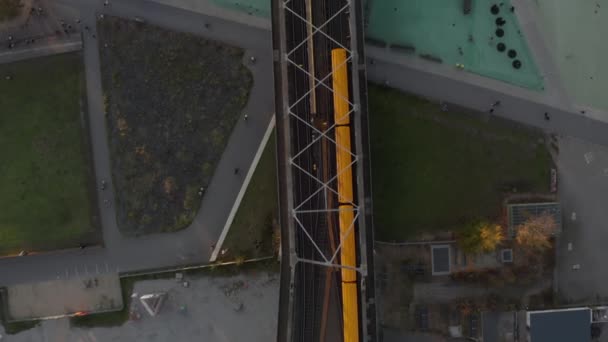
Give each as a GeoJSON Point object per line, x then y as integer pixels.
{"type": "Point", "coordinates": [260, 8]}
{"type": "Point", "coordinates": [439, 28]}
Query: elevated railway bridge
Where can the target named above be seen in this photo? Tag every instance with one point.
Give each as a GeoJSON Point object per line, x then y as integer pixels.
{"type": "Point", "coordinates": [327, 285]}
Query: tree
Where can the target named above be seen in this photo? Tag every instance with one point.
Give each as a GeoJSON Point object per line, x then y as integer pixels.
{"type": "Point", "coordinates": [536, 232]}
{"type": "Point", "coordinates": [491, 236]}
{"type": "Point", "coordinates": [481, 237]}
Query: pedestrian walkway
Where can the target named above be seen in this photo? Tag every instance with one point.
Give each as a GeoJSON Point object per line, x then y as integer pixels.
{"type": "Point", "coordinates": [44, 47]}
{"type": "Point", "coordinates": [576, 35]}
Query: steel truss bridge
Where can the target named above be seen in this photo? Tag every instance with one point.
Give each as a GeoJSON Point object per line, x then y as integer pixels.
{"type": "Point", "coordinates": [327, 283]}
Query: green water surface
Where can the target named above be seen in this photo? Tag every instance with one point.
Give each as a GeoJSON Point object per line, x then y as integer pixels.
{"type": "Point", "coordinates": [439, 28]}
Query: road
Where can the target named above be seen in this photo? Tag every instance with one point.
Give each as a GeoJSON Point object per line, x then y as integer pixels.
{"type": "Point", "coordinates": [189, 246]}
{"type": "Point", "coordinates": [583, 190]}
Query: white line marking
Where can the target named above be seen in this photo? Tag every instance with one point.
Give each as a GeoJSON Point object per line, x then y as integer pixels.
{"type": "Point", "coordinates": [239, 197]}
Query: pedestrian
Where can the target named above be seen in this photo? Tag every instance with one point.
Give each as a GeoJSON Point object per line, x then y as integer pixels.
{"type": "Point", "coordinates": [236, 170]}
{"type": "Point", "coordinates": [491, 110]}
{"type": "Point", "coordinates": [86, 28]}
{"type": "Point", "coordinates": [77, 21]}
{"type": "Point", "coordinates": [246, 117]}
{"type": "Point", "coordinates": [93, 36]}
{"type": "Point", "coordinates": [547, 117]}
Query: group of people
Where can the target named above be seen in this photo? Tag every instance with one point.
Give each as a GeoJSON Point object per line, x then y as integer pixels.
{"type": "Point", "coordinates": [495, 104]}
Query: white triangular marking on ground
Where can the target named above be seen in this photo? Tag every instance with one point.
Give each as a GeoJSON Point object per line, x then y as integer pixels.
{"type": "Point", "coordinates": [153, 302]}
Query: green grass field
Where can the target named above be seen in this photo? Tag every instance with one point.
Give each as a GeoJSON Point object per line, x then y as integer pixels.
{"type": "Point", "coordinates": [251, 233]}
{"type": "Point", "coordinates": [436, 171]}
{"type": "Point", "coordinates": [44, 175]}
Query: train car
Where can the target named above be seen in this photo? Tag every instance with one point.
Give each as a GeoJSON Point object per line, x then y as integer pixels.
{"type": "Point", "coordinates": [348, 253]}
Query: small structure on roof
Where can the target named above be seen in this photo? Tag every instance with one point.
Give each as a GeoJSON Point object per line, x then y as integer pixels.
{"type": "Point", "coordinates": [441, 259]}
{"type": "Point", "coordinates": [521, 212]}
{"type": "Point", "coordinates": [562, 325]}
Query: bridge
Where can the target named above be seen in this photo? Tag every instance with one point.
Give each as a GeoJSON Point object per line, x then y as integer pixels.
{"type": "Point", "coordinates": [327, 283]}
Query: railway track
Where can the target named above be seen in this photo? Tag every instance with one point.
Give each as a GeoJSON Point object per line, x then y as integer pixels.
{"type": "Point", "coordinates": [316, 221]}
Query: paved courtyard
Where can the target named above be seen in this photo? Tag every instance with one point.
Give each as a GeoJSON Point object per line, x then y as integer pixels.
{"type": "Point", "coordinates": [240, 308]}
{"type": "Point", "coordinates": [64, 296]}
{"type": "Point", "coordinates": [583, 189]}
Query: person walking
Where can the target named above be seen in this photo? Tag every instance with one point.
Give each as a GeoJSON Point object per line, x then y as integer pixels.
{"type": "Point", "coordinates": [547, 117]}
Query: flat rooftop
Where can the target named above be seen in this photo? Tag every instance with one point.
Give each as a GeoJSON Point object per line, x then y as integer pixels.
{"type": "Point", "coordinates": [560, 325]}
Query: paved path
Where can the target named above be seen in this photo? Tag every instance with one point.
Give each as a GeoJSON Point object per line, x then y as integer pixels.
{"type": "Point", "coordinates": [471, 91]}
{"type": "Point", "coordinates": [188, 246]}
{"type": "Point", "coordinates": [583, 190]}
{"type": "Point", "coordinates": [51, 47]}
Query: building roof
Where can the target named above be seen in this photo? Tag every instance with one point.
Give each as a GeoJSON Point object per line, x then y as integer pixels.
{"type": "Point", "coordinates": [560, 326]}
{"type": "Point", "coordinates": [441, 259]}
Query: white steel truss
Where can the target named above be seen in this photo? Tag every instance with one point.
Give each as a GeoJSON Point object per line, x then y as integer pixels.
{"type": "Point", "coordinates": [328, 186]}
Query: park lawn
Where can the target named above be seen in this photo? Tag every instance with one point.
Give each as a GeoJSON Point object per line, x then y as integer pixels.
{"type": "Point", "coordinates": [435, 171]}
{"type": "Point", "coordinates": [44, 174]}
{"type": "Point", "coordinates": [252, 232]}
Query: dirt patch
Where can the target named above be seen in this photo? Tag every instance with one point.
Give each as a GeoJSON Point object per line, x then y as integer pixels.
{"type": "Point", "coordinates": [11, 9]}
{"type": "Point", "coordinates": [171, 101]}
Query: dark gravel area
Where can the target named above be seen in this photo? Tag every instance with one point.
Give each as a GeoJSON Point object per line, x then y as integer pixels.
{"type": "Point", "coordinates": [172, 100]}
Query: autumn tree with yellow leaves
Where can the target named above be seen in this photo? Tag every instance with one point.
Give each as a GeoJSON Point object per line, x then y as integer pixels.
{"type": "Point", "coordinates": [536, 232]}
{"type": "Point", "coordinates": [481, 237]}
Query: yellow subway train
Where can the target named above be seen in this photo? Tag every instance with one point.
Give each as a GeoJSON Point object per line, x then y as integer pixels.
{"type": "Point", "coordinates": [348, 252]}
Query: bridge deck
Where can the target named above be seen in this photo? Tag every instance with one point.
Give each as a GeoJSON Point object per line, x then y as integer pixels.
{"type": "Point", "coordinates": [304, 34]}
